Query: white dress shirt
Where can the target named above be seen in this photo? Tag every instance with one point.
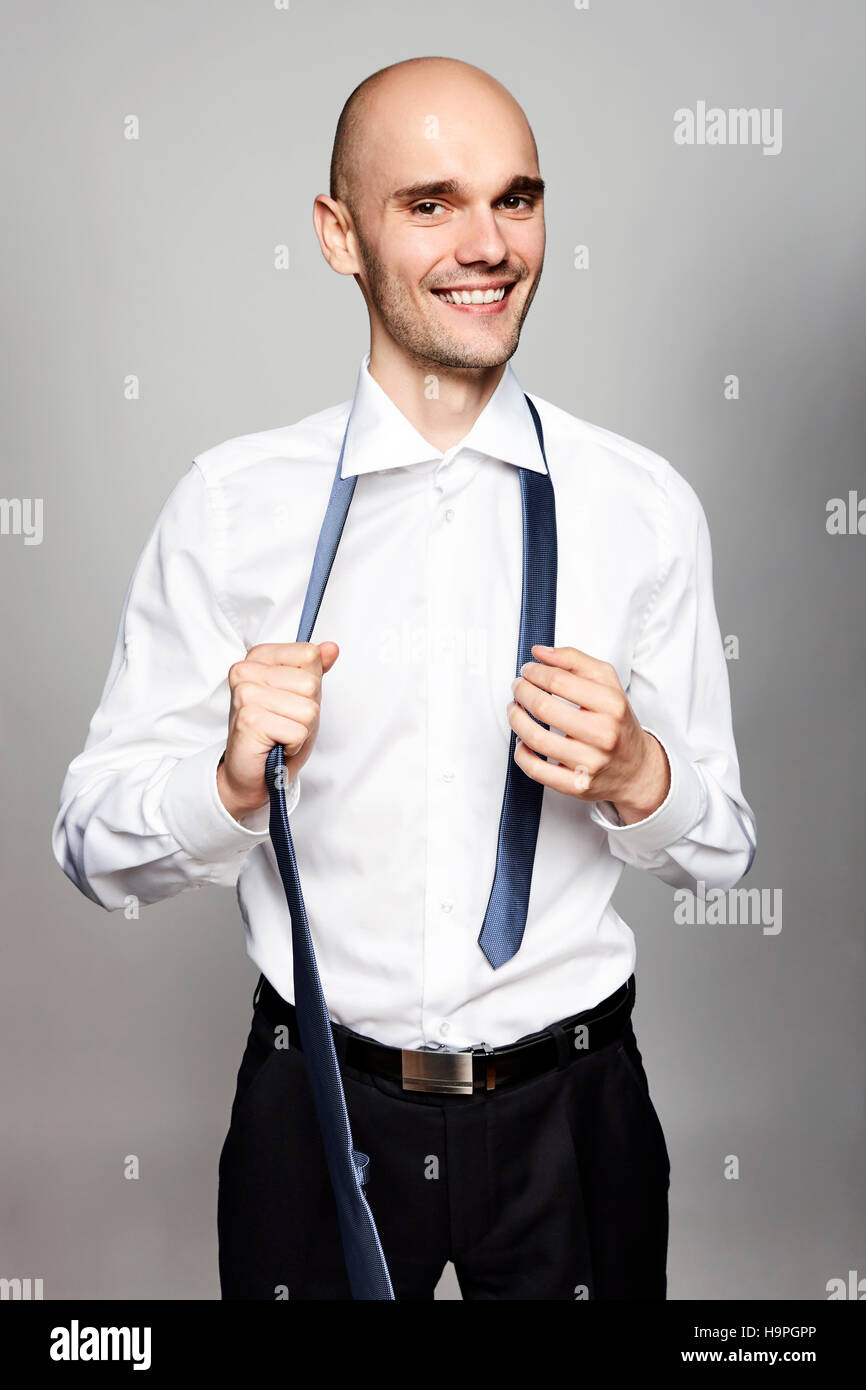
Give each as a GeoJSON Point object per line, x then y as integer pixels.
{"type": "Point", "coordinates": [396, 813]}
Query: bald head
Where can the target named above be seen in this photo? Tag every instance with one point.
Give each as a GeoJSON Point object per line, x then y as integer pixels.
{"type": "Point", "coordinates": [375, 106]}
{"type": "Point", "coordinates": [435, 187]}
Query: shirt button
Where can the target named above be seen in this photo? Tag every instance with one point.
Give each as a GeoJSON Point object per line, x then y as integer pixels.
{"type": "Point", "coordinates": [449, 515]}
{"type": "Point", "coordinates": [448, 775]}
{"type": "Point", "coordinates": [444, 1027]}
{"type": "Point", "coordinates": [446, 904]}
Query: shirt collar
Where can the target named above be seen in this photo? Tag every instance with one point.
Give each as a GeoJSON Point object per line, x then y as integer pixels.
{"type": "Point", "coordinates": [380, 436]}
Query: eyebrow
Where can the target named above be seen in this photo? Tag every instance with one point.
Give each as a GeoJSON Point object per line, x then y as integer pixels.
{"type": "Point", "coordinates": [453, 188]}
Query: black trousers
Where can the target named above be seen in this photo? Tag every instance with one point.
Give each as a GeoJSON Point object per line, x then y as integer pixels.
{"type": "Point", "coordinates": [555, 1187]}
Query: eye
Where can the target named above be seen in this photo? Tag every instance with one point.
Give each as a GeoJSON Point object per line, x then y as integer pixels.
{"type": "Point", "coordinates": [513, 198]}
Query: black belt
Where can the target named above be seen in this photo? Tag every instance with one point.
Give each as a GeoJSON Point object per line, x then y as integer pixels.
{"type": "Point", "coordinates": [460, 1072]}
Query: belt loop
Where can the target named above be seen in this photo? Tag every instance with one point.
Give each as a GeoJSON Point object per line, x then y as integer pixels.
{"type": "Point", "coordinates": [563, 1045]}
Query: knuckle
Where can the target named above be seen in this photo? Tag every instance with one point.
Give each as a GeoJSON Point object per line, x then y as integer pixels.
{"type": "Point", "coordinates": [309, 685]}
{"type": "Point", "coordinates": [546, 709]}
{"type": "Point", "coordinates": [303, 718]}
{"type": "Point", "coordinates": [247, 718]}
{"type": "Point", "coordinates": [245, 692]}
{"type": "Point", "coordinates": [237, 672]}
{"type": "Point", "coordinates": [607, 737]}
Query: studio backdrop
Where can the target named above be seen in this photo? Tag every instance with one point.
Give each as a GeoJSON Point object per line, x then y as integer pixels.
{"type": "Point", "coordinates": [703, 294]}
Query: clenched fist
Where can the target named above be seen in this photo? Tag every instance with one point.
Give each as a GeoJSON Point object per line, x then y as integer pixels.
{"type": "Point", "coordinates": [276, 698]}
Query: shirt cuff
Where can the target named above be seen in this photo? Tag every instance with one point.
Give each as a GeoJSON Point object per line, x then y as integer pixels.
{"type": "Point", "coordinates": [680, 811]}
{"type": "Point", "coordinates": [197, 818]}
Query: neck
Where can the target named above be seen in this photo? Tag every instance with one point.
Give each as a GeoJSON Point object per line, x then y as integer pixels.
{"type": "Point", "coordinates": [442, 403]}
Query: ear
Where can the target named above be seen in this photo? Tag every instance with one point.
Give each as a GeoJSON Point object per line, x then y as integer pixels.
{"type": "Point", "coordinates": [333, 225]}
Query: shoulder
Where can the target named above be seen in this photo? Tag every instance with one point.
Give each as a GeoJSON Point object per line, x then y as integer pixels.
{"type": "Point", "coordinates": [313, 438]}
{"type": "Point", "coordinates": [609, 463]}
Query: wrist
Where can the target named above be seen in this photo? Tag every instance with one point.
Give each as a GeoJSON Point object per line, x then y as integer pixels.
{"type": "Point", "coordinates": [649, 787]}
{"type": "Point", "coordinates": [237, 806]}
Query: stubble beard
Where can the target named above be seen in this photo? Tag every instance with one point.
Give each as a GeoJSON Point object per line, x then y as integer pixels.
{"type": "Point", "coordinates": [427, 343]}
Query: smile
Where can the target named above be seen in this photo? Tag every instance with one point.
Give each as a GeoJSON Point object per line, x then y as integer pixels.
{"type": "Point", "coordinates": [474, 301]}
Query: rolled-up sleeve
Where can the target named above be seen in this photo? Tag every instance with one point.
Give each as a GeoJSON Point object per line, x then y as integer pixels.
{"type": "Point", "coordinates": [680, 692]}
{"type": "Point", "coordinates": [140, 812]}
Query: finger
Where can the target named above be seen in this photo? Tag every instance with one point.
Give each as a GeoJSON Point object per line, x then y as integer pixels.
{"type": "Point", "coordinates": [561, 779]}
{"type": "Point", "coordinates": [303, 680]}
{"type": "Point", "coordinates": [329, 652]}
{"type": "Point", "coordinates": [568, 685]}
{"type": "Point", "coordinates": [581, 663]}
{"type": "Point", "coordinates": [265, 727]}
{"type": "Point", "coordinates": [557, 707]}
{"type": "Point", "coordinates": [249, 696]}
{"type": "Point", "coordinates": [302, 654]}
{"type": "Point", "coordinates": [571, 752]}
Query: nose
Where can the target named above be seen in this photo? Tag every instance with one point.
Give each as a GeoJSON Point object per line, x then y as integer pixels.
{"type": "Point", "coordinates": [479, 238]}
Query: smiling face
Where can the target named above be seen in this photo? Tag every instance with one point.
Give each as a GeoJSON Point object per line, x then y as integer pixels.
{"type": "Point", "coordinates": [446, 206]}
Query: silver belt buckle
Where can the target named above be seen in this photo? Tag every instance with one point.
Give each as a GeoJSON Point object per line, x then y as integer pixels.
{"type": "Point", "coordinates": [441, 1069]}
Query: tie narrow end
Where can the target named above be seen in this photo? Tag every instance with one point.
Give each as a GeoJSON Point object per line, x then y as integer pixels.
{"type": "Point", "coordinates": [362, 1164]}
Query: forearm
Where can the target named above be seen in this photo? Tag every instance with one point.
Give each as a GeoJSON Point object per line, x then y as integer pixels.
{"type": "Point", "coordinates": [704, 829]}
{"type": "Point", "coordinates": [152, 829]}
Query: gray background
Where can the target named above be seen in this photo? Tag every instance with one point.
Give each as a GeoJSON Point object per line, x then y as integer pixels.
{"type": "Point", "coordinates": [155, 257]}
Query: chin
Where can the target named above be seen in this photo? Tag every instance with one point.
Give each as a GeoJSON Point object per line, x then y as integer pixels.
{"type": "Point", "coordinates": [482, 354]}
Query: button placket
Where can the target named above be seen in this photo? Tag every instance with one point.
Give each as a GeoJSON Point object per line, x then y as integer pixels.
{"type": "Point", "coordinates": [444, 654]}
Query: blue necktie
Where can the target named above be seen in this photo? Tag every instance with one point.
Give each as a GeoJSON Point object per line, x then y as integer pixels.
{"type": "Point", "coordinates": [505, 917]}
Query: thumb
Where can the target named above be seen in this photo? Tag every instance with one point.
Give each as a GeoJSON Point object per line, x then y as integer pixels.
{"type": "Point", "coordinates": [329, 651]}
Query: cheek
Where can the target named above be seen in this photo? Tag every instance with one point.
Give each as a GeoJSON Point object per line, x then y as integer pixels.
{"type": "Point", "coordinates": [529, 245]}
{"type": "Point", "coordinates": [415, 260]}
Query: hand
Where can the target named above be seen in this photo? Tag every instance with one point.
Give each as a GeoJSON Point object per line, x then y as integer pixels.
{"type": "Point", "coordinates": [276, 698]}
{"type": "Point", "coordinates": [602, 754]}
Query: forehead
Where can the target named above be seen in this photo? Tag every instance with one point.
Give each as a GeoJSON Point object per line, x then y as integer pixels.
{"type": "Point", "coordinates": [474, 135]}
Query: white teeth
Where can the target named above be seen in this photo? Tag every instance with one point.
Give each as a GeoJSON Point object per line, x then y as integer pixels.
{"type": "Point", "coordinates": [471, 296]}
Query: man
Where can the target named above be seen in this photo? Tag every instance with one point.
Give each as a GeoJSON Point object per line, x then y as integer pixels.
{"type": "Point", "coordinates": [548, 1177]}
